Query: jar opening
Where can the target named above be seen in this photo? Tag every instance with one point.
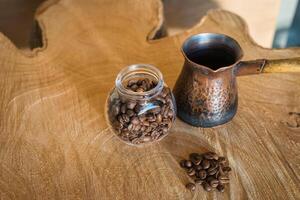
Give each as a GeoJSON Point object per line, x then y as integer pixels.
{"type": "Point", "coordinates": [139, 71]}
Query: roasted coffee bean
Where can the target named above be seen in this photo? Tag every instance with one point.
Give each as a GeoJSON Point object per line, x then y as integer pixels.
{"type": "Point", "coordinates": [192, 172]}
{"type": "Point", "coordinates": [195, 158]}
{"type": "Point", "coordinates": [206, 186]}
{"type": "Point", "coordinates": [223, 179]}
{"type": "Point", "coordinates": [211, 156]}
{"type": "Point", "coordinates": [213, 172]}
{"type": "Point", "coordinates": [154, 125]}
{"type": "Point", "coordinates": [226, 169]}
{"type": "Point", "coordinates": [205, 164]}
{"type": "Point", "coordinates": [198, 167]}
{"type": "Point", "coordinates": [182, 163]}
{"type": "Point", "coordinates": [191, 186]}
{"type": "Point", "coordinates": [202, 174]}
{"type": "Point", "coordinates": [131, 82]}
{"type": "Point", "coordinates": [135, 121]}
{"type": "Point", "coordinates": [134, 87]}
{"type": "Point", "coordinates": [130, 113]}
{"type": "Point", "coordinates": [130, 105]}
{"type": "Point", "coordinates": [213, 182]}
{"type": "Point", "coordinates": [140, 89]}
{"type": "Point", "coordinates": [130, 127]}
{"type": "Point", "coordinates": [165, 129]}
{"type": "Point", "coordinates": [188, 164]}
{"type": "Point", "coordinates": [158, 118]}
{"type": "Point", "coordinates": [220, 188]}
{"type": "Point", "coordinates": [146, 123]}
{"type": "Point", "coordinates": [222, 160]}
{"type": "Point", "coordinates": [123, 108]}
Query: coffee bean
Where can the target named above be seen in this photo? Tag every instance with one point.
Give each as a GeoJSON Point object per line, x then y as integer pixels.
{"type": "Point", "coordinates": [134, 87]}
{"type": "Point", "coordinates": [211, 156]}
{"type": "Point", "coordinates": [158, 118]}
{"type": "Point", "coordinates": [130, 113]}
{"type": "Point", "coordinates": [213, 182]}
{"type": "Point", "coordinates": [146, 123]}
{"type": "Point", "coordinates": [212, 172]}
{"type": "Point", "coordinates": [206, 186]}
{"type": "Point", "coordinates": [138, 127]}
{"type": "Point", "coordinates": [161, 99]}
{"type": "Point", "coordinates": [170, 113]}
{"type": "Point", "coordinates": [205, 164]}
{"type": "Point", "coordinates": [195, 158]}
{"type": "Point", "coordinates": [191, 186]}
{"type": "Point", "coordinates": [192, 172]}
{"type": "Point", "coordinates": [165, 129]}
{"type": "Point", "coordinates": [116, 110]}
{"type": "Point", "coordinates": [135, 121]}
{"type": "Point", "coordinates": [188, 164]}
{"type": "Point", "coordinates": [182, 163]}
{"type": "Point", "coordinates": [202, 174]}
{"type": "Point", "coordinates": [131, 104]}
{"type": "Point", "coordinates": [140, 89]}
{"type": "Point", "coordinates": [123, 108]}
{"type": "Point", "coordinates": [223, 179]}
{"type": "Point", "coordinates": [131, 82]}
{"type": "Point", "coordinates": [130, 127]}
{"type": "Point", "coordinates": [222, 160]}
{"type": "Point", "coordinates": [220, 188]}
{"type": "Point", "coordinates": [198, 167]}
{"type": "Point", "coordinates": [226, 169]}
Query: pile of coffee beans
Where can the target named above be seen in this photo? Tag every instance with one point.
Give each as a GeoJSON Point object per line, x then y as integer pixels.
{"type": "Point", "coordinates": [140, 85]}
{"type": "Point", "coordinates": [208, 170]}
{"type": "Point", "coordinates": [138, 121]}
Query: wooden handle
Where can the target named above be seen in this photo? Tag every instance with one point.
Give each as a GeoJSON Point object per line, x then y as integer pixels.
{"type": "Point", "coordinates": [282, 65]}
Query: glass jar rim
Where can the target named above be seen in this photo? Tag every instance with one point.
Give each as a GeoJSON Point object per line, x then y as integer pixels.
{"type": "Point", "coordinates": [133, 70]}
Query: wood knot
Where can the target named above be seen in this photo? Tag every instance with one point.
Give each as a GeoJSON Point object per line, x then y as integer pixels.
{"type": "Point", "coordinates": [293, 120]}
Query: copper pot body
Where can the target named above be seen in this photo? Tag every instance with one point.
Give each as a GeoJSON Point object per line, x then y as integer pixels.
{"type": "Point", "coordinates": [206, 89]}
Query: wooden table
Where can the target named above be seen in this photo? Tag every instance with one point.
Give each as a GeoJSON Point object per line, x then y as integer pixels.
{"type": "Point", "coordinates": [55, 143]}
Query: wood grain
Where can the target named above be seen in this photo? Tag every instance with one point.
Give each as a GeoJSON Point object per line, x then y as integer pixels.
{"type": "Point", "coordinates": [55, 143]}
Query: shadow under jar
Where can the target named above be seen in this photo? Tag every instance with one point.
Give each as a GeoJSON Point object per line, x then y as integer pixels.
{"type": "Point", "coordinates": [141, 108]}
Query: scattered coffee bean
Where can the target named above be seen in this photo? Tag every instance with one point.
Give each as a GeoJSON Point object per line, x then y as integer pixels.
{"type": "Point", "coordinates": [220, 188]}
{"type": "Point", "coordinates": [208, 170]}
{"type": "Point", "coordinates": [182, 163]}
{"type": "Point", "coordinates": [191, 186]}
{"type": "Point", "coordinates": [137, 124]}
{"type": "Point", "coordinates": [206, 186]}
{"type": "Point", "coordinates": [205, 164]}
{"type": "Point", "coordinates": [222, 160]}
{"type": "Point", "coordinates": [226, 169]}
{"type": "Point", "coordinates": [188, 164]}
{"type": "Point", "coordinates": [192, 172]}
{"type": "Point", "coordinates": [202, 174]}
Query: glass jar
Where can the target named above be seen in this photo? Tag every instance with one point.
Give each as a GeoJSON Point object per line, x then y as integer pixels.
{"type": "Point", "coordinates": [141, 107]}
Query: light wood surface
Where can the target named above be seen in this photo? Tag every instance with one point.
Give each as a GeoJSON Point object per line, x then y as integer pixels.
{"type": "Point", "coordinates": [55, 143]}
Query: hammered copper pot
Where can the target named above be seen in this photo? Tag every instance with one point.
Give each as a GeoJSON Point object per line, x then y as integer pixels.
{"type": "Point", "coordinates": [206, 89]}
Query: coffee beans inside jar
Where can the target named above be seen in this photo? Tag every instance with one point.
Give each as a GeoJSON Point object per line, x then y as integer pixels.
{"type": "Point", "coordinates": [208, 170]}
{"type": "Point", "coordinates": [141, 108]}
